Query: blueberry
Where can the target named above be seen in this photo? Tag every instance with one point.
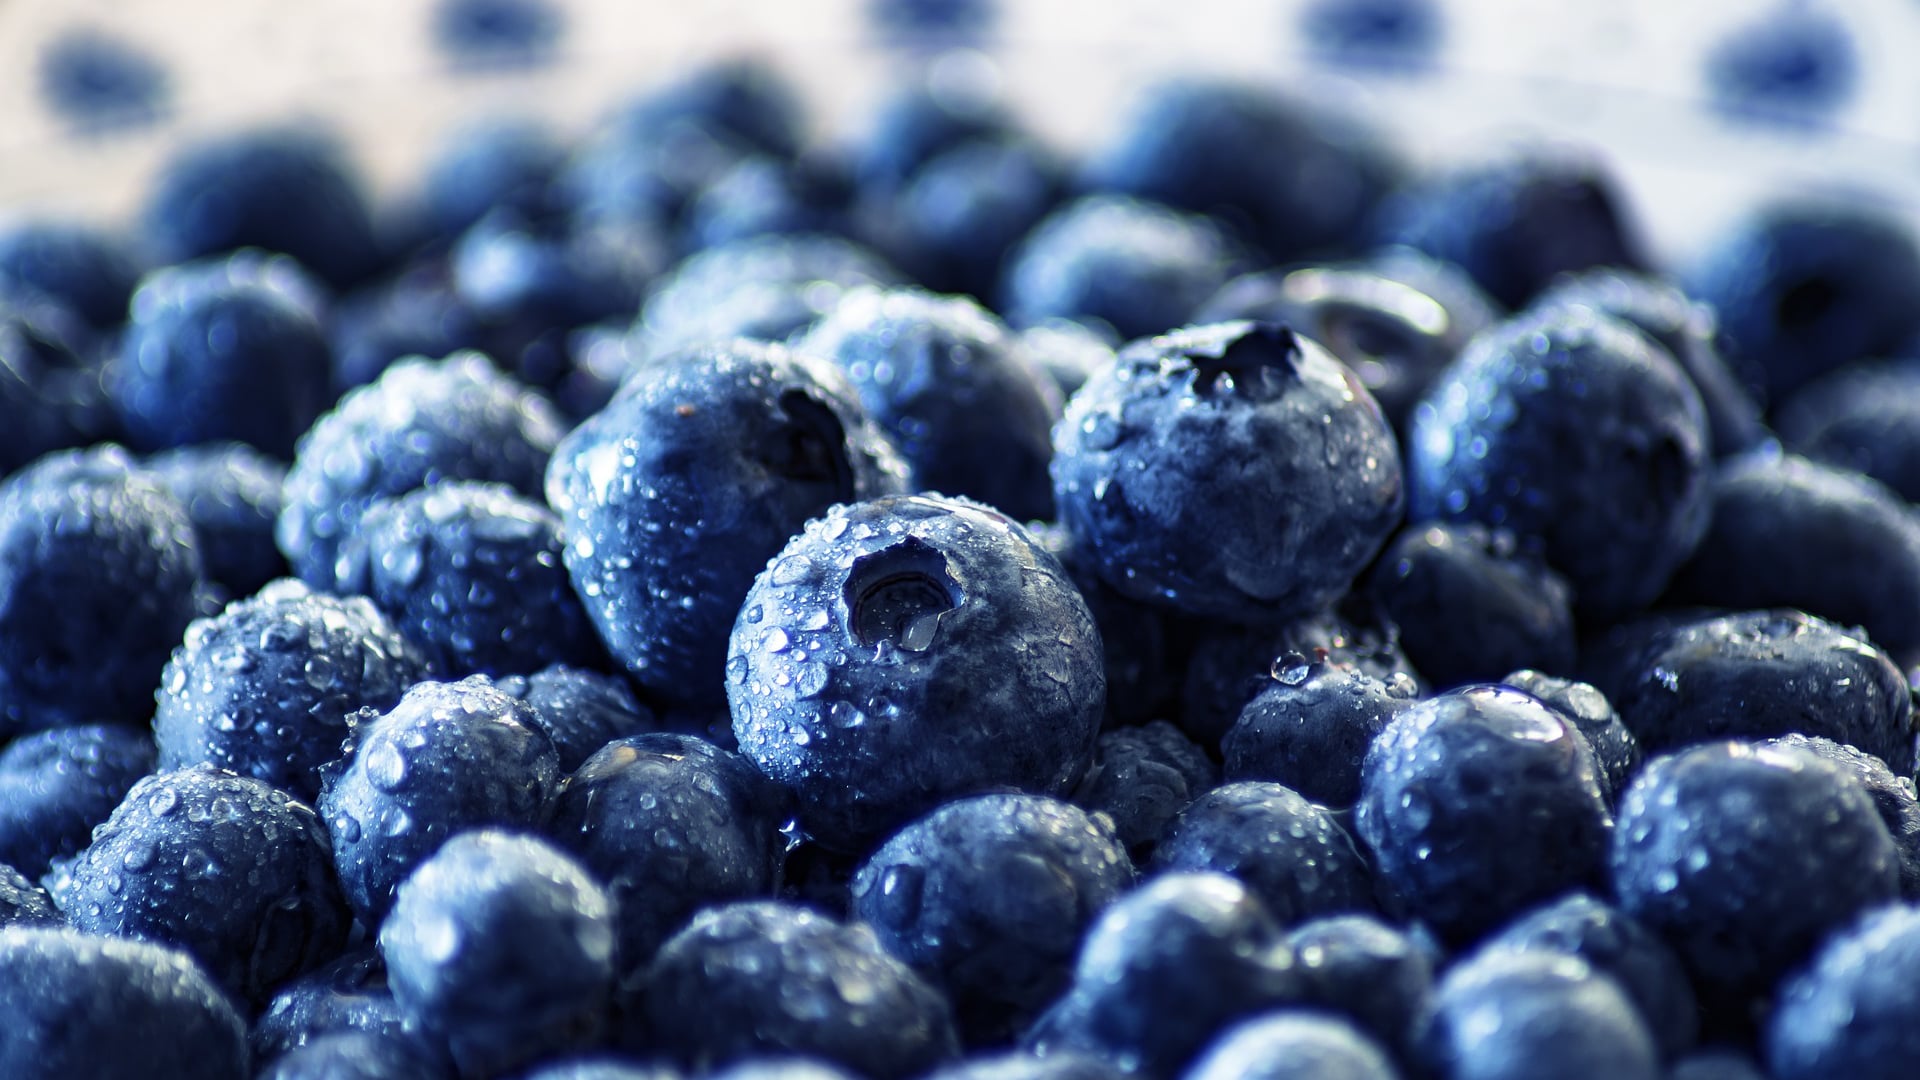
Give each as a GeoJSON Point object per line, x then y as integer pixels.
{"type": "Point", "coordinates": [107, 1008]}
{"type": "Point", "coordinates": [502, 946]}
{"type": "Point", "coordinates": [761, 977]}
{"type": "Point", "coordinates": [23, 902]}
{"type": "Point", "coordinates": [233, 496]}
{"type": "Point", "coordinates": [1583, 438]}
{"type": "Point", "coordinates": [1507, 1015]}
{"type": "Point", "coordinates": [1295, 855]}
{"type": "Point", "coordinates": [1686, 329]}
{"type": "Point", "coordinates": [678, 493]}
{"type": "Point", "coordinates": [414, 313]}
{"type": "Point", "coordinates": [354, 1055]}
{"type": "Point", "coordinates": [99, 81]}
{"type": "Point", "coordinates": [781, 1068]}
{"type": "Point", "coordinates": [1719, 1063]}
{"type": "Point", "coordinates": [1300, 179]}
{"type": "Point", "coordinates": [1765, 673]}
{"type": "Point", "coordinates": [952, 225]}
{"type": "Point", "coordinates": [604, 1068]}
{"type": "Point", "coordinates": [1804, 287]}
{"type": "Point", "coordinates": [52, 387]}
{"type": "Point", "coordinates": [1374, 975]}
{"type": "Point", "coordinates": [1793, 62]}
{"type": "Point", "coordinates": [99, 576]}
{"type": "Point", "coordinates": [988, 898]}
{"type": "Point", "coordinates": [765, 287]}
{"type": "Point", "coordinates": [931, 23]}
{"type": "Point", "coordinates": [742, 98]}
{"type": "Point", "coordinates": [346, 994]}
{"type": "Point", "coordinates": [497, 162]}
{"type": "Point", "coordinates": [1480, 803]}
{"type": "Point", "coordinates": [1787, 532]}
{"type": "Point", "coordinates": [1850, 1013]}
{"type": "Point", "coordinates": [472, 574]}
{"type": "Point", "coordinates": [1310, 727]}
{"type": "Point", "coordinates": [270, 687]}
{"type": "Point", "coordinates": [950, 384]}
{"type": "Point", "coordinates": [1020, 1065]}
{"type": "Point", "coordinates": [1293, 1046]}
{"type": "Point", "coordinates": [1166, 968]}
{"type": "Point", "coordinates": [1374, 35]}
{"type": "Point", "coordinates": [1140, 673]}
{"type": "Point", "coordinates": [1618, 945]}
{"type": "Point", "coordinates": [224, 866]}
{"type": "Point", "coordinates": [1862, 418]}
{"type": "Point", "coordinates": [497, 33]}
{"type": "Point", "coordinates": [541, 273]}
{"type": "Point", "coordinates": [224, 350]}
{"type": "Point", "coordinates": [87, 270]}
{"type": "Point", "coordinates": [448, 758]}
{"type": "Point", "coordinates": [1469, 606]}
{"type": "Point", "coordinates": [55, 786]}
{"type": "Point", "coordinates": [420, 423]}
{"type": "Point", "coordinates": [1516, 222]}
{"type": "Point", "coordinates": [1069, 352]}
{"type": "Point", "coordinates": [1743, 899]}
{"type": "Point", "coordinates": [581, 711]}
{"type": "Point", "coordinates": [644, 172]}
{"type": "Point", "coordinates": [907, 650]}
{"type": "Point", "coordinates": [281, 189]}
{"type": "Point", "coordinates": [1141, 777]}
{"type": "Point", "coordinates": [670, 824]}
{"type": "Point", "coordinates": [764, 196]}
{"type": "Point", "coordinates": [1235, 471]}
{"type": "Point", "coordinates": [1394, 336]}
{"type": "Point", "coordinates": [922, 118]}
{"type": "Point", "coordinates": [1893, 796]}
{"type": "Point", "coordinates": [1138, 267]}
{"type": "Point", "coordinates": [1615, 749]}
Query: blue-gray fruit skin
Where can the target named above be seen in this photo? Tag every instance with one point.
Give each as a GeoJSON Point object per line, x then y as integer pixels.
{"type": "Point", "coordinates": [1740, 897]}
{"type": "Point", "coordinates": [1615, 749]}
{"type": "Point", "coordinates": [1373, 974]}
{"type": "Point", "coordinates": [670, 824]}
{"type": "Point", "coordinates": [1470, 606]}
{"type": "Point", "coordinates": [87, 270]}
{"type": "Point", "coordinates": [1617, 945]}
{"type": "Point", "coordinates": [503, 947]}
{"type": "Point", "coordinates": [1310, 725]}
{"type": "Point", "coordinates": [107, 1008]}
{"type": "Point", "coordinates": [472, 574]}
{"type": "Point", "coordinates": [1168, 967]}
{"type": "Point", "coordinates": [1478, 804]}
{"type": "Point", "coordinates": [450, 757]}
{"type": "Point", "coordinates": [1716, 1063]}
{"type": "Point", "coordinates": [1788, 532]}
{"type": "Point", "coordinates": [1759, 674]}
{"type": "Point", "coordinates": [56, 785]}
{"type": "Point", "coordinates": [270, 687]}
{"type": "Point", "coordinates": [1893, 796]}
{"type": "Point", "coordinates": [949, 383]}
{"type": "Point", "coordinates": [1293, 853]}
{"type": "Point", "coordinates": [21, 901]}
{"type": "Point", "coordinates": [1135, 266]}
{"type": "Point", "coordinates": [1849, 1015]}
{"type": "Point", "coordinates": [988, 898]}
{"type": "Point", "coordinates": [232, 493]}
{"type": "Point", "coordinates": [224, 350]}
{"type": "Point", "coordinates": [1864, 417]}
{"type": "Point", "coordinates": [422, 422]}
{"type": "Point", "coordinates": [581, 711]}
{"type": "Point", "coordinates": [1804, 286]}
{"type": "Point", "coordinates": [1294, 1046]}
{"type": "Point", "coordinates": [698, 472]}
{"type": "Point", "coordinates": [1021, 1065]}
{"type": "Point", "coordinates": [1582, 437]}
{"type": "Point", "coordinates": [1686, 329]}
{"type": "Point", "coordinates": [89, 609]}
{"type": "Point", "coordinates": [1235, 471]}
{"type": "Point", "coordinates": [1140, 673]}
{"type": "Point", "coordinates": [952, 225]}
{"type": "Point", "coordinates": [355, 1055]}
{"type": "Point", "coordinates": [231, 870]}
{"type": "Point", "coordinates": [1507, 1015]}
{"type": "Point", "coordinates": [1141, 777]}
{"type": "Point", "coordinates": [906, 651]}
{"type": "Point", "coordinates": [349, 993]}
{"type": "Point", "coordinates": [763, 978]}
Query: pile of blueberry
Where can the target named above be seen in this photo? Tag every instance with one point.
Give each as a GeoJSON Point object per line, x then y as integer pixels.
{"type": "Point", "coordinates": [701, 602]}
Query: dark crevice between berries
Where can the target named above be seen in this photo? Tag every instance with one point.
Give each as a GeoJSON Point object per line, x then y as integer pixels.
{"type": "Point", "coordinates": [1361, 334]}
{"type": "Point", "coordinates": [811, 448]}
{"type": "Point", "coordinates": [898, 595]}
{"type": "Point", "coordinates": [1806, 303]}
{"type": "Point", "coordinates": [1248, 361]}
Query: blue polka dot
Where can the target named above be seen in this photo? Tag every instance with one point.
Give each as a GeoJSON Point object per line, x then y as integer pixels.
{"type": "Point", "coordinates": [1795, 63]}
{"type": "Point", "coordinates": [93, 79]}
{"type": "Point", "coordinates": [1373, 34]}
{"type": "Point", "coordinates": [489, 33]}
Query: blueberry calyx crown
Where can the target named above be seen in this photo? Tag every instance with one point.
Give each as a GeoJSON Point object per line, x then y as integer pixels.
{"type": "Point", "coordinates": [811, 447]}
{"type": "Point", "coordinates": [899, 594]}
{"type": "Point", "coordinates": [1246, 362]}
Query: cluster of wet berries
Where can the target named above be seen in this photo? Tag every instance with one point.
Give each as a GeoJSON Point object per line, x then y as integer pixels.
{"type": "Point", "coordinates": [699, 602]}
